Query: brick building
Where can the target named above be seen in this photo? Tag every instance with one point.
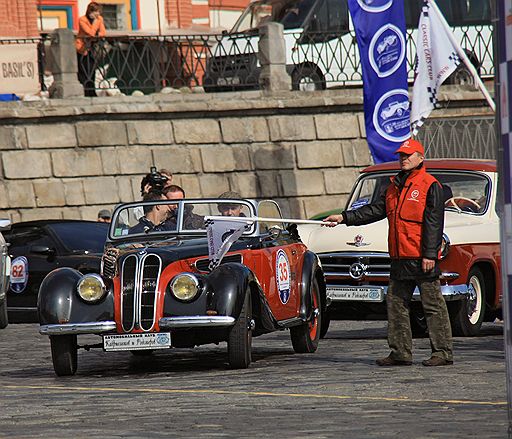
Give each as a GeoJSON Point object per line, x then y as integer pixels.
{"type": "Point", "coordinates": [24, 18]}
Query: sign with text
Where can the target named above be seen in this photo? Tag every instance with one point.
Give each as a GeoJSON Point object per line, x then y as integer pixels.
{"type": "Point", "coordinates": [18, 69]}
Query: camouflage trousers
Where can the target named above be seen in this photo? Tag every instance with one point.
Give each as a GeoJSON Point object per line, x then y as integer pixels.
{"type": "Point", "coordinates": [436, 313]}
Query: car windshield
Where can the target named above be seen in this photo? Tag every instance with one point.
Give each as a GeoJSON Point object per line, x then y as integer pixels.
{"type": "Point", "coordinates": [86, 237]}
{"type": "Point", "coordinates": [173, 216]}
{"type": "Point", "coordinates": [464, 192]}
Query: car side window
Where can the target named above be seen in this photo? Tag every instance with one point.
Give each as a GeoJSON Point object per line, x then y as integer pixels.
{"type": "Point", "coordinates": [269, 209]}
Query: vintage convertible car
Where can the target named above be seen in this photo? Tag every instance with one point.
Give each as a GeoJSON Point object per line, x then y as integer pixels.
{"type": "Point", "coordinates": [158, 287]}
{"type": "Point", "coordinates": [356, 262]}
{"type": "Point", "coordinates": [5, 270]}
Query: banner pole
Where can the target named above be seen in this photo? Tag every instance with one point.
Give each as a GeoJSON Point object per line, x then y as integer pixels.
{"type": "Point", "coordinates": [251, 219]}
{"type": "Point", "coordinates": [463, 55]}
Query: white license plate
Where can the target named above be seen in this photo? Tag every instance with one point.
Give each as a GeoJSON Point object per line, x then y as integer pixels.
{"type": "Point", "coordinates": [364, 294]}
{"type": "Point", "coordinates": [134, 342]}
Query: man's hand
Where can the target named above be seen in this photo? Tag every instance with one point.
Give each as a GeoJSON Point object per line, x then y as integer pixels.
{"type": "Point", "coordinates": [333, 220]}
{"type": "Point", "coordinates": [427, 265]}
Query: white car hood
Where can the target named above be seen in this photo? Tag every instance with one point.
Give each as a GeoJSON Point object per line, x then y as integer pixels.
{"type": "Point", "coordinates": [459, 227]}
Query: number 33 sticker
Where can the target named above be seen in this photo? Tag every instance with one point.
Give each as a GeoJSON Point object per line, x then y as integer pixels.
{"type": "Point", "coordinates": [283, 276]}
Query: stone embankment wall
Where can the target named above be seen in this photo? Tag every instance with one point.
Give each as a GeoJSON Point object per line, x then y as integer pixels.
{"type": "Point", "coordinates": [68, 159]}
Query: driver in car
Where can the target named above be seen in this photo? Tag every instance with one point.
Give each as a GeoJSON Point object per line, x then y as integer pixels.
{"type": "Point", "coordinates": [154, 219]}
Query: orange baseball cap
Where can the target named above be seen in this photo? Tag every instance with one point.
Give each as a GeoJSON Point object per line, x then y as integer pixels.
{"type": "Point", "coordinates": [410, 146]}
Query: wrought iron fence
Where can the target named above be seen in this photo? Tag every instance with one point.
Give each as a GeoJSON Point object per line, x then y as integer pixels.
{"type": "Point", "coordinates": [461, 137]}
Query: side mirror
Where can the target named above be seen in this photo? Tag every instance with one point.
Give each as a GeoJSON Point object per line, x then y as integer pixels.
{"type": "Point", "coordinates": [42, 250]}
{"type": "Point", "coordinates": [5, 224]}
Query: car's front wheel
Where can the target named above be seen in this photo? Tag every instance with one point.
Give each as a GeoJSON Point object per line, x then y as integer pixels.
{"type": "Point", "coordinates": [240, 337]}
{"type": "Point", "coordinates": [305, 337]}
{"type": "Point", "coordinates": [467, 315]}
{"type": "Point", "coordinates": [64, 354]}
{"type": "Point", "coordinates": [3, 315]}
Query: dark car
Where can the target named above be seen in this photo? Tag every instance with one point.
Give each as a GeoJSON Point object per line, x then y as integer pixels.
{"type": "Point", "coordinates": [38, 247]}
{"type": "Point", "coordinates": [165, 285]}
{"type": "Point", "coordinates": [5, 270]}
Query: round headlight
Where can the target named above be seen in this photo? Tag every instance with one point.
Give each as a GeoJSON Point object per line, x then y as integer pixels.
{"type": "Point", "coordinates": [445, 246]}
{"type": "Point", "coordinates": [185, 287]}
{"type": "Point", "coordinates": [91, 288]}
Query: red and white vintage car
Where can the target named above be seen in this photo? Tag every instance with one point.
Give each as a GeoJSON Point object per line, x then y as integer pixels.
{"type": "Point", "coordinates": [356, 262]}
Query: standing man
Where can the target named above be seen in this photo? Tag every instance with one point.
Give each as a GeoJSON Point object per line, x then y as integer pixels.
{"type": "Point", "coordinates": [414, 206]}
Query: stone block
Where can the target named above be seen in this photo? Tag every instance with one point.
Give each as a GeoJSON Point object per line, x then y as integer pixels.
{"type": "Point", "coordinates": [49, 193]}
{"type": "Point", "coordinates": [340, 181]}
{"type": "Point", "coordinates": [74, 192]}
{"type": "Point", "coordinates": [13, 215]}
{"type": "Point", "coordinates": [150, 132]}
{"type": "Point", "coordinates": [217, 158]}
{"type": "Point", "coordinates": [135, 160]}
{"type": "Point", "coordinates": [110, 160]}
{"type": "Point", "coordinates": [291, 207]}
{"type": "Point", "coordinates": [41, 213]}
{"type": "Point", "coordinates": [273, 156]}
{"type": "Point", "coordinates": [103, 133]}
{"type": "Point", "coordinates": [212, 185]}
{"type": "Point", "coordinates": [197, 131]}
{"type": "Point", "coordinates": [90, 213]}
{"type": "Point", "coordinates": [245, 183]}
{"type": "Point", "coordinates": [356, 153]}
{"type": "Point", "coordinates": [76, 162]}
{"type": "Point", "coordinates": [250, 129]}
{"type": "Point", "coordinates": [101, 190]}
{"type": "Point", "coordinates": [26, 164]}
{"type": "Point", "coordinates": [124, 184]}
{"type": "Point", "coordinates": [190, 184]}
{"type": "Point", "coordinates": [13, 137]}
{"type": "Point", "coordinates": [268, 184]}
{"type": "Point", "coordinates": [319, 154]}
{"type": "Point", "coordinates": [300, 183]}
{"type": "Point", "coordinates": [60, 135]}
{"type": "Point", "coordinates": [337, 126]}
{"type": "Point", "coordinates": [72, 213]}
{"type": "Point", "coordinates": [291, 128]}
{"type": "Point", "coordinates": [178, 159]}
{"type": "Point", "coordinates": [316, 205]}
{"type": "Point", "coordinates": [362, 125]}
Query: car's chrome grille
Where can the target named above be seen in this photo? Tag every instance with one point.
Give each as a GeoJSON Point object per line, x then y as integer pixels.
{"type": "Point", "coordinates": [202, 264]}
{"type": "Point", "coordinates": [140, 275]}
{"type": "Point", "coordinates": [109, 262]}
{"type": "Point", "coordinates": [355, 267]}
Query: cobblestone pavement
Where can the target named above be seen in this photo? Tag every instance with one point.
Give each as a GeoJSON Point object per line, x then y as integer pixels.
{"type": "Point", "coordinates": [336, 392]}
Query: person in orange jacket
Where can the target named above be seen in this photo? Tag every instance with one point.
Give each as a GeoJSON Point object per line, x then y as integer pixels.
{"type": "Point", "coordinates": [90, 26]}
{"type": "Point", "coordinates": [414, 206]}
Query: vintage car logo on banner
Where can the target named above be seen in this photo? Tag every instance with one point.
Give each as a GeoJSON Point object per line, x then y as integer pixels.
{"type": "Point", "coordinates": [283, 276]}
{"type": "Point", "coordinates": [375, 5]}
{"type": "Point", "coordinates": [387, 50]}
{"type": "Point", "coordinates": [391, 116]}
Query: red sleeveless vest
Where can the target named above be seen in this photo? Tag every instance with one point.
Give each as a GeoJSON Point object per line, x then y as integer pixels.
{"type": "Point", "coordinates": [405, 214]}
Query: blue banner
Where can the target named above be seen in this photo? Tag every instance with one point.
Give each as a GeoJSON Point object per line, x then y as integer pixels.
{"type": "Point", "coordinates": [380, 32]}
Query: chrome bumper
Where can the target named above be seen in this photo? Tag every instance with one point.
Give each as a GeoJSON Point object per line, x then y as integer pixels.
{"type": "Point", "coordinates": [78, 328]}
{"type": "Point", "coordinates": [195, 321]}
{"type": "Point", "coordinates": [449, 292]}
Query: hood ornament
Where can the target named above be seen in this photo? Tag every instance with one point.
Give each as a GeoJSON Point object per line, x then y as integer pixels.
{"type": "Point", "coordinates": [358, 241]}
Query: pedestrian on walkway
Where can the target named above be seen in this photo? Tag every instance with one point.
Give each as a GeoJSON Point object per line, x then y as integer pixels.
{"type": "Point", "coordinates": [414, 206]}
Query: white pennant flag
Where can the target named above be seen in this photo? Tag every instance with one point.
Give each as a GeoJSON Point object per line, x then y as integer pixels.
{"type": "Point", "coordinates": [222, 233]}
{"type": "Point", "coordinates": [437, 59]}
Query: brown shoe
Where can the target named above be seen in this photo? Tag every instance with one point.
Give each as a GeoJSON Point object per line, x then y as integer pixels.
{"type": "Point", "coordinates": [436, 361]}
{"type": "Point", "coordinates": [388, 361]}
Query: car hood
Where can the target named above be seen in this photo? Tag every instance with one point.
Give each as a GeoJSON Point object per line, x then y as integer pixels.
{"type": "Point", "coordinates": [459, 227]}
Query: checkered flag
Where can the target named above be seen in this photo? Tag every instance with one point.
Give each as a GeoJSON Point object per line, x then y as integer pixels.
{"type": "Point", "coordinates": [437, 59]}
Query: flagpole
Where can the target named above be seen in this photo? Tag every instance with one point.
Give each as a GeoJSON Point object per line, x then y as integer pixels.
{"type": "Point", "coordinates": [252, 219]}
{"type": "Point", "coordinates": [463, 56]}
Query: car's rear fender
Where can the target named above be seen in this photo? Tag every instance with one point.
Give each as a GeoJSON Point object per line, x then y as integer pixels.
{"type": "Point", "coordinates": [311, 267]}
{"type": "Point", "coordinates": [58, 302]}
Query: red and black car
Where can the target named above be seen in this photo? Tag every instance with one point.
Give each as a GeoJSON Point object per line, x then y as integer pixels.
{"type": "Point", "coordinates": [157, 288]}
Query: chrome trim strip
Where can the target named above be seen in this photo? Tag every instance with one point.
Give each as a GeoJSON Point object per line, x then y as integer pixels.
{"type": "Point", "coordinates": [195, 321]}
{"type": "Point", "coordinates": [361, 254]}
{"type": "Point", "coordinates": [345, 275]}
{"type": "Point", "coordinates": [77, 328]}
{"type": "Point", "coordinates": [448, 276]}
{"type": "Point", "coordinates": [449, 292]}
{"type": "Point", "coordinates": [134, 291]}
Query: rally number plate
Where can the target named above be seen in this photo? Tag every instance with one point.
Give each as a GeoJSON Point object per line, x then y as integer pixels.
{"type": "Point", "coordinates": [133, 342]}
{"type": "Point", "coordinates": [364, 294]}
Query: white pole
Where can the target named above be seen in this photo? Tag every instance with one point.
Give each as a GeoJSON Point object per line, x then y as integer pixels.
{"type": "Point", "coordinates": [252, 219]}
{"type": "Point", "coordinates": [463, 55]}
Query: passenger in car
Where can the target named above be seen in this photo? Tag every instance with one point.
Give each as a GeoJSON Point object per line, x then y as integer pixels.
{"type": "Point", "coordinates": [191, 221]}
{"type": "Point", "coordinates": [155, 216]}
{"type": "Point", "coordinates": [227, 209]}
